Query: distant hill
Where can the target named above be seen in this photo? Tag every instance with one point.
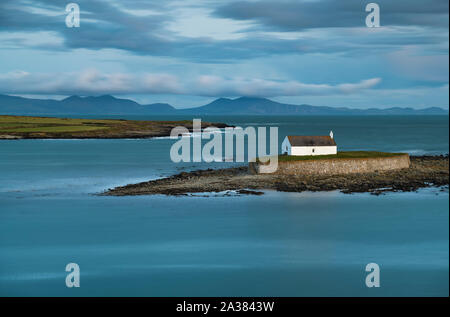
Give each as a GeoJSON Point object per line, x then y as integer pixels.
{"type": "Point", "coordinates": [76, 105]}
{"type": "Point", "coordinates": [262, 106]}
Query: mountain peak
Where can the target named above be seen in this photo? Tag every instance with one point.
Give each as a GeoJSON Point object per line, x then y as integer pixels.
{"type": "Point", "coordinates": [222, 99]}
{"type": "Point", "coordinates": [248, 98]}
{"type": "Point", "coordinates": [73, 97]}
{"type": "Point", "coordinates": [106, 97]}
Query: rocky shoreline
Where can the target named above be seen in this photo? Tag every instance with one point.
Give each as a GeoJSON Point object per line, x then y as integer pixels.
{"type": "Point", "coordinates": [425, 171]}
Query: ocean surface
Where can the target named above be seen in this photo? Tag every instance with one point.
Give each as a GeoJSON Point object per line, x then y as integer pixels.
{"type": "Point", "coordinates": [278, 244]}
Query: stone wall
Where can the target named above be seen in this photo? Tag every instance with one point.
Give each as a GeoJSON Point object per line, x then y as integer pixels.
{"type": "Point", "coordinates": [339, 166]}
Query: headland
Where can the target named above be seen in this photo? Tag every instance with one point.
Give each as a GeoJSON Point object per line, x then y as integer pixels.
{"type": "Point", "coordinates": [26, 127]}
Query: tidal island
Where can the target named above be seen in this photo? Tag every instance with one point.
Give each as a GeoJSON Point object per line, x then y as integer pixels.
{"type": "Point", "coordinates": [26, 127]}
{"type": "Point", "coordinates": [348, 172]}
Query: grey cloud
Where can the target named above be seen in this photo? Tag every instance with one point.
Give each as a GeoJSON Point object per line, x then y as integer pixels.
{"type": "Point", "coordinates": [101, 20]}
{"type": "Point", "coordinates": [299, 15]}
{"type": "Point", "coordinates": [92, 82]}
{"type": "Point", "coordinates": [105, 25]}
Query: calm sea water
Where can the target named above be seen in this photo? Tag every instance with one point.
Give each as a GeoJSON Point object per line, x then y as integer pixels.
{"type": "Point", "coordinates": [278, 244]}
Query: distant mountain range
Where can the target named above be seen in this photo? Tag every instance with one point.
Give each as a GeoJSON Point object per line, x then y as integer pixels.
{"type": "Point", "coordinates": [262, 106]}
{"type": "Point", "coordinates": [109, 105]}
{"type": "Point", "coordinates": [78, 106]}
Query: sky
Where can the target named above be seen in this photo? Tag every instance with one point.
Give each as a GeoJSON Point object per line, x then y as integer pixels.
{"type": "Point", "coordinates": [190, 52]}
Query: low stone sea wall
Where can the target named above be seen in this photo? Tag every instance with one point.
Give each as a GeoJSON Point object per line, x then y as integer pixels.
{"type": "Point", "coordinates": [338, 166]}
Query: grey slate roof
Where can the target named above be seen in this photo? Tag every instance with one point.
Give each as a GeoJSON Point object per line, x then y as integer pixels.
{"type": "Point", "coordinates": [314, 140]}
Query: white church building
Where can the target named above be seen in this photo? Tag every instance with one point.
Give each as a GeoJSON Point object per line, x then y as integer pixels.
{"type": "Point", "coordinates": [300, 145]}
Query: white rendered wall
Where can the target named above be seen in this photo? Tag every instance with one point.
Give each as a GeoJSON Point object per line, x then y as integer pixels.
{"type": "Point", "coordinates": [285, 145]}
{"type": "Point", "coordinates": [313, 150]}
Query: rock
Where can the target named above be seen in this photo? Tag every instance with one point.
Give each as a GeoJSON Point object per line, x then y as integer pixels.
{"type": "Point", "coordinates": [249, 192]}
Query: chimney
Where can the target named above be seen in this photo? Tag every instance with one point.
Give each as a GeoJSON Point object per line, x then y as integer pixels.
{"type": "Point", "coordinates": [331, 135]}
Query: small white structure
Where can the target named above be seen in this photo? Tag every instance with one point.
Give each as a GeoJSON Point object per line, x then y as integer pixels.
{"type": "Point", "coordinates": [300, 145]}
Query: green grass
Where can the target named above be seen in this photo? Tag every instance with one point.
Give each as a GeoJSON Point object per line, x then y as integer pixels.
{"type": "Point", "coordinates": [44, 120]}
{"type": "Point", "coordinates": [339, 155]}
{"type": "Point", "coordinates": [44, 129]}
{"type": "Point", "coordinates": [18, 124]}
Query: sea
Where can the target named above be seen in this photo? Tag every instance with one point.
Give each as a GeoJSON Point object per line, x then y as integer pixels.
{"type": "Point", "coordinates": [218, 244]}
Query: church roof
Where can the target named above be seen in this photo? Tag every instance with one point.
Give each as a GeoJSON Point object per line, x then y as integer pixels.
{"type": "Point", "coordinates": [314, 140]}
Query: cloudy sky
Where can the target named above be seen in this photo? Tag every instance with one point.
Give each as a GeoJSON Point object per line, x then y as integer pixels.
{"type": "Point", "coordinates": [189, 52]}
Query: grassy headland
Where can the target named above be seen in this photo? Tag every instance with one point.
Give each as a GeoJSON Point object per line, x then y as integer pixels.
{"type": "Point", "coordinates": [23, 127]}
